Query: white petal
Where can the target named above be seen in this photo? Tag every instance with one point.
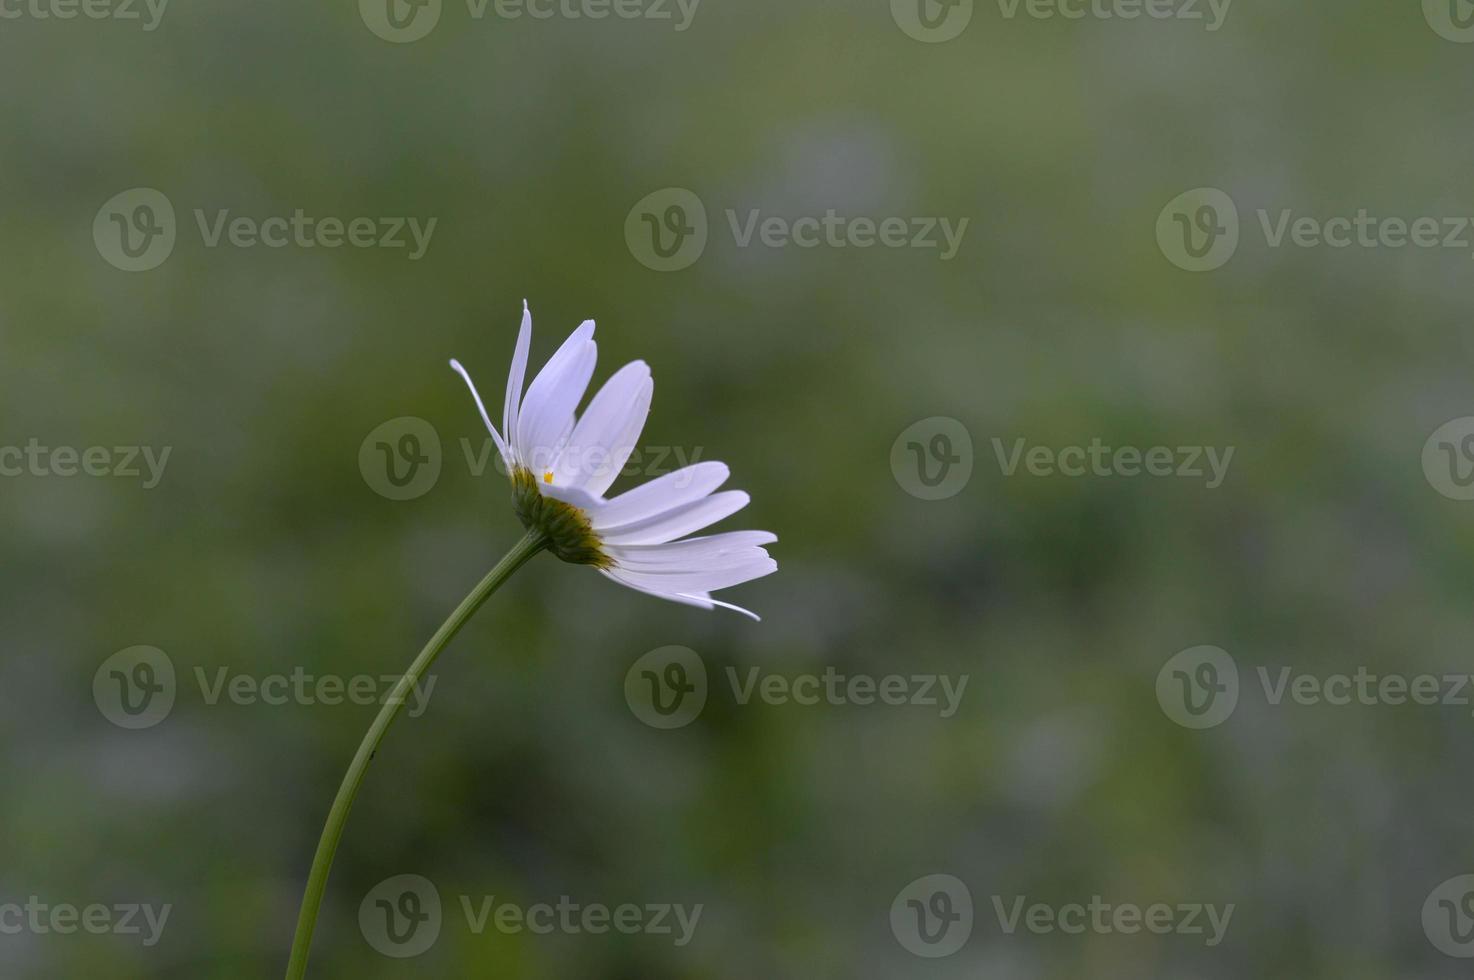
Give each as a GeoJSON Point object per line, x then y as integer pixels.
{"type": "Point", "coordinates": [703, 580]}
{"type": "Point", "coordinates": [699, 548]}
{"type": "Point", "coordinates": [605, 435]}
{"type": "Point", "coordinates": [546, 416]}
{"type": "Point", "coordinates": [517, 374]}
{"type": "Point", "coordinates": [703, 602]}
{"type": "Point", "coordinates": [692, 552]}
{"type": "Point", "coordinates": [683, 486]}
{"type": "Point", "coordinates": [576, 496]}
{"type": "Point", "coordinates": [738, 609]}
{"type": "Point", "coordinates": [698, 599]}
{"type": "Point", "coordinates": [678, 521]}
{"type": "Point", "coordinates": [657, 566]}
{"type": "Point", "coordinates": [496, 436]}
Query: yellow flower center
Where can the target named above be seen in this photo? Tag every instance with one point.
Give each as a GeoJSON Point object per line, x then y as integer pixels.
{"type": "Point", "coordinates": [566, 527]}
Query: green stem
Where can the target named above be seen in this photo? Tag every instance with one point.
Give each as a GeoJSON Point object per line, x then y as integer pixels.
{"type": "Point", "coordinates": [332, 831]}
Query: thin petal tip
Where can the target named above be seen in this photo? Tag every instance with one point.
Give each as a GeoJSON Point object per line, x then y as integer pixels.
{"type": "Point", "coordinates": [727, 605]}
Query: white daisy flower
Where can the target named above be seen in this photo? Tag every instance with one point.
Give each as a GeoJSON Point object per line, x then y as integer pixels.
{"type": "Point", "coordinates": [561, 466]}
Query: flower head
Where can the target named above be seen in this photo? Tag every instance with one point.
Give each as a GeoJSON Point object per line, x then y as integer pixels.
{"type": "Point", "coordinates": [562, 465]}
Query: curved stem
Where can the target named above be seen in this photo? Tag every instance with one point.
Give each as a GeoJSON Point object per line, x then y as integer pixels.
{"type": "Point", "coordinates": [332, 831]}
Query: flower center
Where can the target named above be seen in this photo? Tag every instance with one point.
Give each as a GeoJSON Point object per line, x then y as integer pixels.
{"type": "Point", "coordinates": [567, 528]}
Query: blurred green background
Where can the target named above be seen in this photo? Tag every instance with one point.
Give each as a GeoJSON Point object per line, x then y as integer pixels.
{"type": "Point", "coordinates": [264, 549]}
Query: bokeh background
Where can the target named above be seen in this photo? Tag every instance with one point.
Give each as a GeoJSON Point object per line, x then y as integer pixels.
{"type": "Point", "coordinates": [265, 548]}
